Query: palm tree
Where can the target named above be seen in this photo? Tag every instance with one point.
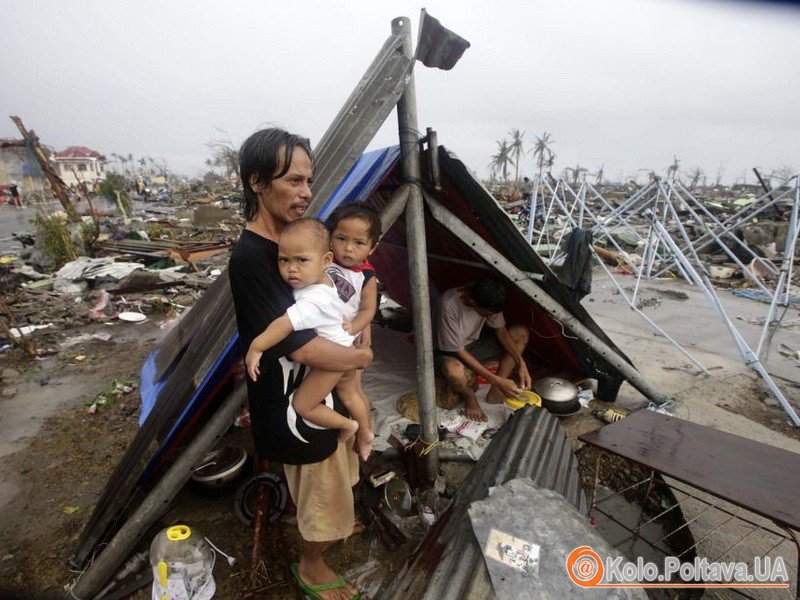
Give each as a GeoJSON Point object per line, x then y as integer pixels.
{"type": "Point", "coordinates": [673, 168]}
{"type": "Point", "coordinates": [517, 150]}
{"type": "Point", "coordinates": [696, 175]}
{"type": "Point", "coordinates": [576, 171]}
{"type": "Point", "coordinates": [502, 159]}
{"type": "Point", "coordinates": [599, 175]}
{"type": "Point", "coordinates": [543, 152]}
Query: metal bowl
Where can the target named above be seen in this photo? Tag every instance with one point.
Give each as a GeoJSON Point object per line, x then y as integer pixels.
{"type": "Point", "coordinates": [220, 467]}
{"type": "Point", "coordinates": [397, 498]}
{"type": "Point", "coordinates": [559, 396]}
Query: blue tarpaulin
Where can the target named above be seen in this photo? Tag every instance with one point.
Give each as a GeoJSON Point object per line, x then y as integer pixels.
{"type": "Point", "coordinates": [361, 181]}
{"type": "Point", "coordinates": [365, 176]}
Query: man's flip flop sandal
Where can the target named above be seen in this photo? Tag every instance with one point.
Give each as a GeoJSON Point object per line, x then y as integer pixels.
{"type": "Point", "coordinates": [313, 591]}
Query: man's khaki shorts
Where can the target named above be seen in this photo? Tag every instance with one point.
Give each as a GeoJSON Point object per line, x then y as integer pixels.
{"type": "Point", "coordinates": [323, 494]}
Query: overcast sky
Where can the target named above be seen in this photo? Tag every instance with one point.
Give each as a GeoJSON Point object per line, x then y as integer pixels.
{"type": "Point", "coordinates": [624, 83]}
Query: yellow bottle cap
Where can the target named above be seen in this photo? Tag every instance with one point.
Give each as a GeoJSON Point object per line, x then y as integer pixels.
{"type": "Point", "coordinates": [177, 533]}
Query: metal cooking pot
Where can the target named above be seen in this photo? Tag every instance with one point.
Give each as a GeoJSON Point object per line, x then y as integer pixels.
{"type": "Point", "coordinates": [559, 396]}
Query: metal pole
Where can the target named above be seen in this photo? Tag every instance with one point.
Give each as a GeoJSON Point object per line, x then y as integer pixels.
{"type": "Point", "coordinates": [546, 221]}
{"type": "Point", "coordinates": [433, 158]}
{"type": "Point", "coordinates": [645, 260]}
{"type": "Point", "coordinates": [106, 564]}
{"type": "Point", "coordinates": [417, 258]}
{"type": "Point", "coordinates": [739, 218]}
{"type": "Point", "coordinates": [632, 305]}
{"type": "Point", "coordinates": [395, 207]}
{"type": "Point", "coordinates": [627, 204]}
{"type": "Point", "coordinates": [791, 241]}
{"type": "Point", "coordinates": [711, 216]}
{"type": "Point", "coordinates": [532, 213]}
{"type": "Point", "coordinates": [582, 194]}
{"type": "Point", "coordinates": [770, 313]}
{"type": "Point", "coordinates": [599, 196]}
{"type": "Point", "coordinates": [567, 224]}
{"type": "Point", "coordinates": [660, 330]}
{"type": "Point", "coordinates": [607, 232]}
{"type": "Point", "coordinates": [763, 183]}
{"type": "Point", "coordinates": [771, 325]}
{"type": "Point", "coordinates": [726, 249]}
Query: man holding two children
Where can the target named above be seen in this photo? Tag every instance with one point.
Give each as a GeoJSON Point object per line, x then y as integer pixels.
{"type": "Point", "coordinates": [277, 170]}
{"type": "Point", "coordinates": [289, 301]}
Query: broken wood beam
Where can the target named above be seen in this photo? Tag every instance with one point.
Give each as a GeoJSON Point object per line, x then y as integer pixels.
{"type": "Point", "coordinates": [56, 183]}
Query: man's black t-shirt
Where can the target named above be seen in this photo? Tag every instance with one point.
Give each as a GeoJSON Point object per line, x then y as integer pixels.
{"type": "Point", "coordinates": [259, 297]}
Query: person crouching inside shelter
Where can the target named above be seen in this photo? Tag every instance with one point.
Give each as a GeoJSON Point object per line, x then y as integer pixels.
{"type": "Point", "coordinates": [276, 169]}
{"type": "Point", "coordinates": [320, 292]}
{"type": "Point", "coordinates": [460, 315]}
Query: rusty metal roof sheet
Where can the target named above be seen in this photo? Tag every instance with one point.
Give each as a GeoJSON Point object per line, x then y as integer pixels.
{"type": "Point", "coordinates": [448, 564]}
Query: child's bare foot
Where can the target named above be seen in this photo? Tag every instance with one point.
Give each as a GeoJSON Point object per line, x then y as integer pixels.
{"type": "Point", "coordinates": [347, 432]}
{"type": "Point", "coordinates": [364, 439]}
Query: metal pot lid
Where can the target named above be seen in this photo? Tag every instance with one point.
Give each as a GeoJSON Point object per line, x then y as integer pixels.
{"type": "Point", "coordinates": [556, 389]}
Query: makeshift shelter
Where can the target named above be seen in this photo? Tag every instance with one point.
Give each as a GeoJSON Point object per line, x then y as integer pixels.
{"type": "Point", "coordinates": [453, 261]}
{"type": "Point", "coordinates": [374, 179]}
{"type": "Point", "coordinates": [189, 379]}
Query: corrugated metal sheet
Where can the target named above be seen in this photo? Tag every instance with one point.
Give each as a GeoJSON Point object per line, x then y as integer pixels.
{"type": "Point", "coordinates": [448, 564]}
{"type": "Point", "coordinates": [359, 119]}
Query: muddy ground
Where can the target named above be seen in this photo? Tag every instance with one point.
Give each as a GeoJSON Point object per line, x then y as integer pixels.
{"type": "Point", "coordinates": [57, 457]}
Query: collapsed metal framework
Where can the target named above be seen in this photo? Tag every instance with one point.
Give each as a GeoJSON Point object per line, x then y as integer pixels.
{"type": "Point", "coordinates": [672, 228]}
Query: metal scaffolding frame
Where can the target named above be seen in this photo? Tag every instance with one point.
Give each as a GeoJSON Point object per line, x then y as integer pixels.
{"type": "Point", "coordinates": [669, 218]}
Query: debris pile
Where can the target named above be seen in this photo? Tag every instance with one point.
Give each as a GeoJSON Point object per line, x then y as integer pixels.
{"type": "Point", "coordinates": [111, 265]}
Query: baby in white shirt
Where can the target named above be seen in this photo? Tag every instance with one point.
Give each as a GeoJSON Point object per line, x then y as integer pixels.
{"type": "Point", "coordinates": [306, 263]}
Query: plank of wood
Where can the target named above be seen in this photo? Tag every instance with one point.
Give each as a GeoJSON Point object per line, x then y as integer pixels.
{"type": "Point", "coordinates": [761, 478]}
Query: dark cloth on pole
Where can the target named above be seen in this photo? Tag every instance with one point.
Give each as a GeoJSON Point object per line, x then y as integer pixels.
{"type": "Point", "coordinates": [437, 46]}
{"type": "Point", "coordinates": [576, 271]}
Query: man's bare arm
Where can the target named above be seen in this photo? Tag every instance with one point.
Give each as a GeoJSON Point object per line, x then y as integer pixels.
{"type": "Point", "coordinates": [324, 354]}
{"type": "Point", "coordinates": [507, 342]}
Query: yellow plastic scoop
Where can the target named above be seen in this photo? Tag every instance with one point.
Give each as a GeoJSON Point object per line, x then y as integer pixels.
{"type": "Point", "coordinates": [525, 398]}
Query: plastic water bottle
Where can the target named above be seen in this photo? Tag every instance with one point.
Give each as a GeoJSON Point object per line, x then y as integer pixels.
{"type": "Point", "coordinates": [183, 565]}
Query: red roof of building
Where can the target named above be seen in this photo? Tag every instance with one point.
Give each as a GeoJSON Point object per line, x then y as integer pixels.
{"type": "Point", "coordinates": [79, 152]}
